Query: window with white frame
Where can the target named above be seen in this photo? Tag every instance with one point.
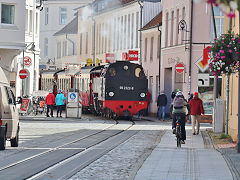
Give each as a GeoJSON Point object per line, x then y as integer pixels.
{"type": "Point", "coordinates": [46, 47]}
{"type": "Point", "coordinates": [176, 32]}
{"type": "Point", "coordinates": [166, 32]}
{"type": "Point", "coordinates": [219, 20]}
{"type": "Point", "coordinates": [63, 16]}
{"type": "Point", "coordinates": [172, 21]}
{"type": "Point", "coordinates": [151, 50]}
{"type": "Point", "coordinates": [59, 50]}
{"type": "Point", "coordinates": [145, 52]}
{"type": "Point", "coordinates": [137, 27]}
{"type": "Point", "coordinates": [26, 20]}
{"type": "Point", "coordinates": [46, 15]}
{"type": "Point", "coordinates": [36, 30]}
{"type": "Point", "coordinates": [86, 42]}
{"type": "Point", "coordinates": [80, 43]}
{"type": "Point", "coordinates": [31, 21]}
{"type": "Point", "coordinates": [64, 48]}
{"type": "Point", "coordinates": [8, 14]}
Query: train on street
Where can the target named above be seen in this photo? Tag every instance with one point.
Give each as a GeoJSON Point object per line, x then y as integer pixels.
{"type": "Point", "coordinates": [112, 90]}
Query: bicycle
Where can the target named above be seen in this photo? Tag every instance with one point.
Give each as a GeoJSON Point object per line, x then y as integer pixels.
{"type": "Point", "coordinates": [178, 131]}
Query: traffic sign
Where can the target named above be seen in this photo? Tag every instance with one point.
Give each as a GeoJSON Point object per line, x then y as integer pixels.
{"type": "Point", "coordinates": [27, 61]}
{"type": "Point", "coordinates": [203, 80]}
{"type": "Point", "coordinates": [72, 96]}
{"type": "Point", "coordinates": [180, 68]}
{"type": "Point", "coordinates": [23, 74]}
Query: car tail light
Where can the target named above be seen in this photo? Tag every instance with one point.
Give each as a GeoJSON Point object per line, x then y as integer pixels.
{"type": "Point", "coordinates": [178, 124]}
{"type": "Point", "coordinates": [1, 122]}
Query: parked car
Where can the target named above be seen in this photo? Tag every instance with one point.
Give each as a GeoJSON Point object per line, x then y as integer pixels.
{"type": "Point", "coordinates": [9, 119]}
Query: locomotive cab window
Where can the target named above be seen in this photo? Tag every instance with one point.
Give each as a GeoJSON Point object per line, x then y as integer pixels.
{"type": "Point", "coordinates": [139, 73]}
{"type": "Point", "coordinates": [112, 71]}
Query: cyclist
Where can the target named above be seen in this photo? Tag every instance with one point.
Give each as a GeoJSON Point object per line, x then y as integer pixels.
{"type": "Point", "coordinates": [180, 107]}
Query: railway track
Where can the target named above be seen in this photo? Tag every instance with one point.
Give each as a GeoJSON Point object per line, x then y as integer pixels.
{"type": "Point", "coordinates": [63, 161]}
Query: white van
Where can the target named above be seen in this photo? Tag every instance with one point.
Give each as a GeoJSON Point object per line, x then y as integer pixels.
{"type": "Point", "coordinates": [9, 119]}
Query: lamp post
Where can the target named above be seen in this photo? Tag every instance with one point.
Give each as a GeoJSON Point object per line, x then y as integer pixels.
{"type": "Point", "coordinates": [160, 47]}
{"type": "Point", "coordinates": [141, 10]}
{"type": "Point", "coordinates": [238, 141]}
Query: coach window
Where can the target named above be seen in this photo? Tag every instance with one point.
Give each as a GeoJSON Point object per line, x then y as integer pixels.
{"type": "Point", "coordinates": [112, 71]}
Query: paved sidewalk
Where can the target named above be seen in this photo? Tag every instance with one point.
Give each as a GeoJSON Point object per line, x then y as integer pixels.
{"type": "Point", "coordinates": [194, 161]}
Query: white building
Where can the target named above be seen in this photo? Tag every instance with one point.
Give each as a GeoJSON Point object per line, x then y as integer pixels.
{"type": "Point", "coordinates": [30, 53]}
{"type": "Point", "coordinates": [66, 43]}
{"type": "Point", "coordinates": [54, 16]}
{"type": "Point", "coordinates": [12, 28]}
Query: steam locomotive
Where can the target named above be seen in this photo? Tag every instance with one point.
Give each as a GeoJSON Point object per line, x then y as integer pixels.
{"type": "Point", "coordinates": [117, 89]}
{"type": "Point", "coordinates": [111, 90]}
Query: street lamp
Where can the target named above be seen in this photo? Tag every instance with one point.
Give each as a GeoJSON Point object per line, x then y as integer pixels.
{"type": "Point", "coordinates": [160, 47]}
{"type": "Point", "coordinates": [141, 11]}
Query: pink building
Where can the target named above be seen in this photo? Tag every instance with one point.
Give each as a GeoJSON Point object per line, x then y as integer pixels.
{"type": "Point", "coordinates": [151, 54]}
{"type": "Point", "coordinates": [176, 39]}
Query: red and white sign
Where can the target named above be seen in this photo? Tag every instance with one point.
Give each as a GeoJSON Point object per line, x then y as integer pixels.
{"type": "Point", "coordinates": [132, 55]}
{"type": "Point", "coordinates": [23, 73]}
{"type": "Point", "coordinates": [27, 61]}
{"type": "Point", "coordinates": [124, 56]}
{"type": "Point", "coordinates": [180, 68]}
{"type": "Point", "coordinates": [110, 58]}
{"type": "Point", "coordinates": [24, 105]}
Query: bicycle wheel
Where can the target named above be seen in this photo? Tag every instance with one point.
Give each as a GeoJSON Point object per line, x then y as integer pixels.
{"type": "Point", "coordinates": [178, 134]}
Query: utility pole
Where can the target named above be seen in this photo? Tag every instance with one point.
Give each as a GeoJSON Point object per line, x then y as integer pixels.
{"type": "Point", "coordinates": [141, 11]}
{"type": "Point", "coordinates": [238, 141]}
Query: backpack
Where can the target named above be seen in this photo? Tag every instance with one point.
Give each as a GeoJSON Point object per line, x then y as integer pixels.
{"type": "Point", "coordinates": [178, 102]}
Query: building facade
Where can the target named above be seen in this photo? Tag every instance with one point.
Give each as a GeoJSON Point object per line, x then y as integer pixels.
{"type": "Point", "coordinates": [151, 34]}
{"type": "Point", "coordinates": [31, 52]}
{"type": "Point", "coordinates": [54, 16]}
{"type": "Point", "coordinates": [109, 31]}
{"type": "Point", "coordinates": [186, 31]}
{"type": "Point", "coordinates": [12, 29]}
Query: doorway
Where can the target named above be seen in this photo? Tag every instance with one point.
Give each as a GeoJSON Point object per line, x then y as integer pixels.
{"type": "Point", "coordinates": [168, 86]}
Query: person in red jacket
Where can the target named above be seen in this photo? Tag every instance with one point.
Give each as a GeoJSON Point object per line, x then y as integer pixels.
{"type": "Point", "coordinates": [196, 111]}
{"type": "Point", "coordinates": [50, 100]}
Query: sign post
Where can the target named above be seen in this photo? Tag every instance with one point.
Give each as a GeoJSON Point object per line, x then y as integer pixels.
{"type": "Point", "coordinates": [180, 68]}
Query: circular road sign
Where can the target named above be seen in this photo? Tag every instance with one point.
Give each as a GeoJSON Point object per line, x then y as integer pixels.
{"type": "Point", "coordinates": [180, 68]}
{"type": "Point", "coordinates": [23, 73]}
{"type": "Point", "coordinates": [73, 96]}
{"type": "Point", "coordinates": [27, 61]}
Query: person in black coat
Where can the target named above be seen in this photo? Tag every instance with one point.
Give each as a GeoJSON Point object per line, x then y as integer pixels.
{"type": "Point", "coordinates": [161, 104]}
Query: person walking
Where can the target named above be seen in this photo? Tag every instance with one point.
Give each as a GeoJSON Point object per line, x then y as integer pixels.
{"type": "Point", "coordinates": [50, 100]}
{"type": "Point", "coordinates": [161, 104]}
{"type": "Point", "coordinates": [60, 101]}
{"type": "Point", "coordinates": [196, 111]}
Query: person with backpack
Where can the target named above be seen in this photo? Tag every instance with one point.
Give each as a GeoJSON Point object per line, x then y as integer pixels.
{"type": "Point", "coordinates": [196, 111]}
{"type": "Point", "coordinates": [180, 107]}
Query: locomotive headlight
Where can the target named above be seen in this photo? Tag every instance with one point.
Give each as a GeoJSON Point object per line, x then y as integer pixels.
{"type": "Point", "coordinates": [111, 94]}
{"type": "Point", "coordinates": [142, 95]}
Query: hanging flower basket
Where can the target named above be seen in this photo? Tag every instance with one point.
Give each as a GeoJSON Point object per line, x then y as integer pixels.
{"type": "Point", "coordinates": [225, 54]}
